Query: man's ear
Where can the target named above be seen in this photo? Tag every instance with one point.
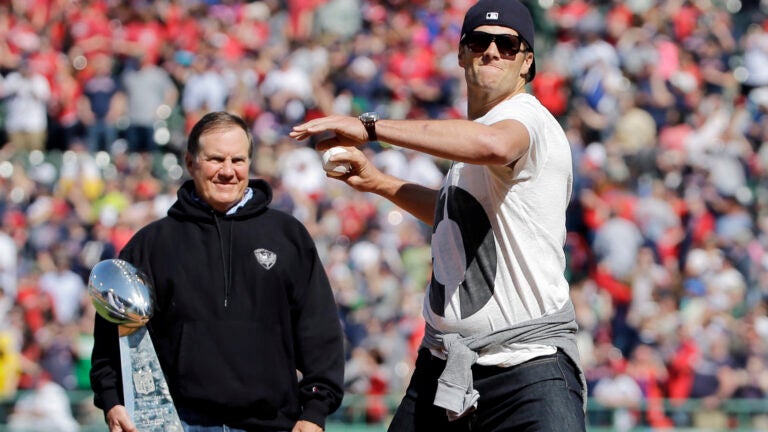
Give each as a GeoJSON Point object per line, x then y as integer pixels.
{"type": "Point", "coordinates": [461, 54]}
{"type": "Point", "coordinates": [188, 161]}
{"type": "Point", "coordinates": [526, 64]}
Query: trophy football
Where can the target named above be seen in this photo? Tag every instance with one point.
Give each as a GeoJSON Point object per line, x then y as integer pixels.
{"type": "Point", "coordinates": [123, 295]}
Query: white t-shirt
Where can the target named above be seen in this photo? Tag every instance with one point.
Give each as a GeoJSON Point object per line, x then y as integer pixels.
{"type": "Point", "coordinates": [498, 237]}
{"type": "Point", "coordinates": [27, 106]}
{"type": "Point", "coordinates": [67, 290]}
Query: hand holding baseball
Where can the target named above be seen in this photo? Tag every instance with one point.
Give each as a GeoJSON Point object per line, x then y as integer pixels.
{"type": "Point", "coordinates": [335, 168]}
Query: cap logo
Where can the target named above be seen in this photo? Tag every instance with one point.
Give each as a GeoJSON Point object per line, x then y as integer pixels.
{"type": "Point", "coordinates": [492, 16]}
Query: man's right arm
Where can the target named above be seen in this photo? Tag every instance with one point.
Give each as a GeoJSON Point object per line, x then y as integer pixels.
{"type": "Point", "coordinates": [105, 365]}
{"type": "Point", "coordinates": [106, 373]}
{"type": "Point", "coordinates": [106, 376]}
{"type": "Point", "coordinates": [418, 200]}
{"type": "Point", "coordinates": [501, 143]}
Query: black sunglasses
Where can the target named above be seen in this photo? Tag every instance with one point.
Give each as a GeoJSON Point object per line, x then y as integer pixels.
{"type": "Point", "coordinates": [507, 44]}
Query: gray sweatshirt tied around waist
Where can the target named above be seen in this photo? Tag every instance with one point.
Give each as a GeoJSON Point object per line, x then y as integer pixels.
{"type": "Point", "coordinates": [455, 390]}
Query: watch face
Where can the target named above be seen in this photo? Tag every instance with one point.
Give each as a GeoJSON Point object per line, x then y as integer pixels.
{"type": "Point", "coordinates": [369, 117]}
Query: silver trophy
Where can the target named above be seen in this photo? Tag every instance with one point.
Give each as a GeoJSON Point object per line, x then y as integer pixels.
{"type": "Point", "coordinates": [123, 295]}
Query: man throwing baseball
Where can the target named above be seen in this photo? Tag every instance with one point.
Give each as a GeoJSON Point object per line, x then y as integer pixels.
{"type": "Point", "coordinates": [499, 351]}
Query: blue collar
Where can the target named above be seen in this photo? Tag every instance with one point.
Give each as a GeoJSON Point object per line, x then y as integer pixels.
{"type": "Point", "coordinates": [246, 197]}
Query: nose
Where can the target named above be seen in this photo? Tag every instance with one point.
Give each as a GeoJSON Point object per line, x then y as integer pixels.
{"type": "Point", "coordinates": [492, 50]}
{"type": "Point", "coordinates": [227, 168]}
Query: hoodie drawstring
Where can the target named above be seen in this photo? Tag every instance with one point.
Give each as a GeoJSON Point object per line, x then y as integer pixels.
{"type": "Point", "coordinates": [225, 261]}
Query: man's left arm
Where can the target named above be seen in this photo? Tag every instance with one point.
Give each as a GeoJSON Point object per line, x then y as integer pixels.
{"type": "Point", "coordinates": [319, 343]}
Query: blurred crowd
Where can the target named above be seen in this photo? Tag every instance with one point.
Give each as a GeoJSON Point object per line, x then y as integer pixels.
{"type": "Point", "coordinates": [664, 103]}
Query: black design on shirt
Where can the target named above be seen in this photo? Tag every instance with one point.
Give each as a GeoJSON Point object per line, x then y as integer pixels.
{"type": "Point", "coordinates": [462, 216]}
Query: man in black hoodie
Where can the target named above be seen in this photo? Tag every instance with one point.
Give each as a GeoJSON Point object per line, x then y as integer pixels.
{"type": "Point", "coordinates": [242, 302]}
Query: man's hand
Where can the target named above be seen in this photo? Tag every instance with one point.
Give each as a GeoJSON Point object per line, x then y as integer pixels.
{"type": "Point", "coordinates": [306, 426]}
{"type": "Point", "coordinates": [119, 421]}
{"type": "Point", "coordinates": [341, 131]}
{"type": "Point", "coordinates": [363, 176]}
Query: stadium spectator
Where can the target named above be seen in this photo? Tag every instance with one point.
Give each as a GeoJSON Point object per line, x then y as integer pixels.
{"type": "Point", "coordinates": [150, 95]}
{"type": "Point", "coordinates": [26, 120]}
{"type": "Point", "coordinates": [65, 287]}
{"type": "Point", "coordinates": [102, 105]}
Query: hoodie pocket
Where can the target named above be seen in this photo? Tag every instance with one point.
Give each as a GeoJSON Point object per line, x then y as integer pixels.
{"type": "Point", "coordinates": [236, 365]}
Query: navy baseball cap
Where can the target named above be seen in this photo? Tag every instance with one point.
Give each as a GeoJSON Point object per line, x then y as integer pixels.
{"type": "Point", "coordinates": [506, 13]}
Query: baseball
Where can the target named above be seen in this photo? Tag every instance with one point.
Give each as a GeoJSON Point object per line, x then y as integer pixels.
{"type": "Point", "coordinates": [335, 168]}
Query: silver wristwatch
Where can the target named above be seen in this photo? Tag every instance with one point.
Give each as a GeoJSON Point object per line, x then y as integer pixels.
{"type": "Point", "coordinates": [369, 120]}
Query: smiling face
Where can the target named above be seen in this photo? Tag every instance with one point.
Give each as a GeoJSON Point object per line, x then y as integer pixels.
{"type": "Point", "coordinates": [220, 167]}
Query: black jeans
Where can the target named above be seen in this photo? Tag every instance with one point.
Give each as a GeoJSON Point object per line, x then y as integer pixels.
{"type": "Point", "coordinates": [543, 394]}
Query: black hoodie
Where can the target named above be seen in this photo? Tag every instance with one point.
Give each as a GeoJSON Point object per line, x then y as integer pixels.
{"type": "Point", "coordinates": [242, 303]}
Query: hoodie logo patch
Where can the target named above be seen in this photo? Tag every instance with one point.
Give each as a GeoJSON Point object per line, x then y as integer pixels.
{"type": "Point", "coordinates": [265, 257]}
{"type": "Point", "coordinates": [492, 16]}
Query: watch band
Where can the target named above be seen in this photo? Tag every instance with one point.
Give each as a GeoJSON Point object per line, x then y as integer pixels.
{"type": "Point", "coordinates": [371, 128]}
{"type": "Point", "coordinates": [369, 122]}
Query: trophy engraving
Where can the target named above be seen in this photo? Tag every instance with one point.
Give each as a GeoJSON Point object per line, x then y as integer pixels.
{"type": "Point", "coordinates": [142, 381]}
{"type": "Point", "coordinates": [122, 295]}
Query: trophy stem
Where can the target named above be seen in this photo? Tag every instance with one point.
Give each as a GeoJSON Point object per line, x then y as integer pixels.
{"type": "Point", "coordinates": [145, 389]}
